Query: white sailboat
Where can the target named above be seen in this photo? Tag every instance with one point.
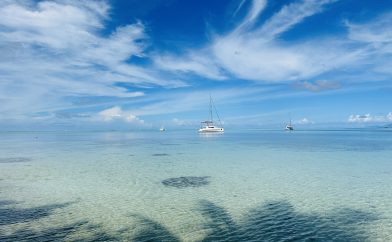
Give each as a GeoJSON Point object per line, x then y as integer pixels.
{"type": "Point", "coordinates": [208, 126]}
{"type": "Point", "coordinates": [162, 129]}
{"type": "Point", "coordinates": [289, 126]}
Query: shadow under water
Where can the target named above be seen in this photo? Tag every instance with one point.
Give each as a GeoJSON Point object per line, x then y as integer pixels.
{"type": "Point", "coordinates": [272, 221]}
{"type": "Point", "coordinates": [278, 221]}
{"type": "Point", "coordinates": [12, 215]}
{"type": "Point", "coordinates": [79, 231]}
{"type": "Point", "coordinates": [150, 231]}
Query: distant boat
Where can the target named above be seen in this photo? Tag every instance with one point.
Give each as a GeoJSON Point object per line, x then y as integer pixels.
{"type": "Point", "coordinates": [289, 126]}
{"type": "Point", "coordinates": [162, 129]}
{"type": "Point", "coordinates": [208, 126]}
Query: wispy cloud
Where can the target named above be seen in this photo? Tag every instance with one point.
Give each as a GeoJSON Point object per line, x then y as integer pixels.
{"type": "Point", "coordinates": [256, 9]}
{"type": "Point", "coordinates": [55, 49]}
{"type": "Point", "coordinates": [183, 122]}
{"type": "Point", "coordinates": [239, 7]}
{"type": "Point", "coordinates": [289, 16]}
{"type": "Point", "coordinates": [177, 102]}
{"type": "Point", "coordinates": [270, 60]}
{"type": "Point", "coordinates": [254, 53]}
{"type": "Point", "coordinates": [116, 113]}
{"type": "Point", "coordinates": [304, 121]}
{"type": "Point", "coordinates": [375, 36]}
{"type": "Point", "coordinates": [191, 63]}
{"type": "Point", "coordinates": [368, 118]}
{"type": "Point", "coordinates": [377, 31]}
{"type": "Point", "coordinates": [318, 85]}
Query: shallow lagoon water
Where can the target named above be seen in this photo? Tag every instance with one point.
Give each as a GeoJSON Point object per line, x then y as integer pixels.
{"type": "Point", "coordinates": [262, 186]}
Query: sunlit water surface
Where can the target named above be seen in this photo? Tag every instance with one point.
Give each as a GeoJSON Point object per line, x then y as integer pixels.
{"type": "Point", "coordinates": [237, 186]}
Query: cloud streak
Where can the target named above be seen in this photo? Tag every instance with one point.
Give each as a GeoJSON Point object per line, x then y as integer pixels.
{"type": "Point", "coordinates": [304, 121]}
{"type": "Point", "coordinates": [368, 118]}
{"type": "Point", "coordinates": [52, 50]}
{"type": "Point", "coordinates": [253, 52]}
{"type": "Point", "coordinates": [318, 85]}
{"type": "Point", "coordinates": [289, 16]}
{"type": "Point", "coordinates": [256, 51]}
{"type": "Point", "coordinates": [116, 113]}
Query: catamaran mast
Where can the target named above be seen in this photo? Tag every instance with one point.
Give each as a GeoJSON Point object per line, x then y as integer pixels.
{"type": "Point", "coordinates": [216, 111]}
{"type": "Point", "coordinates": [211, 117]}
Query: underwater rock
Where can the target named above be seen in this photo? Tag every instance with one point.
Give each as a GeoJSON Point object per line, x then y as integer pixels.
{"type": "Point", "coordinates": [186, 181]}
{"type": "Point", "coordinates": [14, 159]}
{"type": "Point", "coordinates": [160, 154]}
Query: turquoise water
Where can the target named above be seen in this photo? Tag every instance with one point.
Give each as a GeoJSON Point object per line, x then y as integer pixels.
{"type": "Point", "coordinates": [182, 186]}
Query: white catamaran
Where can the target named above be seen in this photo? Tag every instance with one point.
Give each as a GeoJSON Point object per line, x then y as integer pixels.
{"type": "Point", "coordinates": [289, 126]}
{"type": "Point", "coordinates": [208, 126]}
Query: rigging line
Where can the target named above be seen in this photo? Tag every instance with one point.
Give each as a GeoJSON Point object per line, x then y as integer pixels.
{"type": "Point", "coordinates": [217, 114]}
{"type": "Point", "coordinates": [211, 104]}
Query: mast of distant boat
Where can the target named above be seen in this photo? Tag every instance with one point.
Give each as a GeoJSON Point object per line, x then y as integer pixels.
{"type": "Point", "coordinates": [216, 111]}
{"type": "Point", "coordinates": [211, 116]}
{"type": "Point", "coordinates": [289, 126]}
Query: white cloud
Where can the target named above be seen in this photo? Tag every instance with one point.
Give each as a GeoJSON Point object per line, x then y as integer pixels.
{"type": "Point", "coordinates": [196, 63]}
{"type": "Point", "coordinates": [291, 15]}
{"type": "Point", "coordinates": [318, 85]}
{"type": "Point", "coordinates": [250, 59]}
{"type": "Point", "coordinates": [378, 31]}
{"type": "Point", "coordinates": [375, 36]}
{"type": "Point", "coordinates": [254, 52]}
{"type": "Point", "coordinates": [255, 10]}
{"type": "Point", "coordinates": [366, 118]}
{"type": "Point", "coordinates": [196, 100]}
{"type": "Point", "coordinates": [52, 50]}
{"type": "Point", "coordinates": [52, 24]}
{"type": "Point", "coordinates": [304, 121]}
{"type": "Point", "coordinates": [389, 116]}
{"type": "Point", "coordinates": [257, 54]}
{"type": "Point", "coordinates": [116, 113]}
{"type": "Point", "coordinates": [182, 122]}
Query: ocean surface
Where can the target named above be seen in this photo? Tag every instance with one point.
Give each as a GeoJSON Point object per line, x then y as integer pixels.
{"type": "Point", "coordinates": [245, 185]}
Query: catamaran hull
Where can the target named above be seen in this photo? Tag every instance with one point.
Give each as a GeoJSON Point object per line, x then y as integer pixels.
{"type": "Point", "coordinates": [211, 130]}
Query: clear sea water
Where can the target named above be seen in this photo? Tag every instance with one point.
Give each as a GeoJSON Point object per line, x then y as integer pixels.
{"type": "Point", "coordinates": [249, 185]}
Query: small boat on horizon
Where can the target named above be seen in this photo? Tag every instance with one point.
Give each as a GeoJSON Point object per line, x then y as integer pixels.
{"type": "Point", "coordinates": [162, 129]}
{"type": "Point", "coordinates": [289, 126]}
{"type": "Point", "coordinates": [208, 126]}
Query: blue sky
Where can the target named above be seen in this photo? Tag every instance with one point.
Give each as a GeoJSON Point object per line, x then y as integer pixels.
{"type": "Point", "coordinates": [142, 64]}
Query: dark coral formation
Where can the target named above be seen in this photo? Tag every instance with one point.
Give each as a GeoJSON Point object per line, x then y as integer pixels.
{"type": "Point", "coordinates": [160, 154]}
{"type": "Point", "coordinates": [14, 159]}
{"type": "Point", "coordinates": [186, 181]}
